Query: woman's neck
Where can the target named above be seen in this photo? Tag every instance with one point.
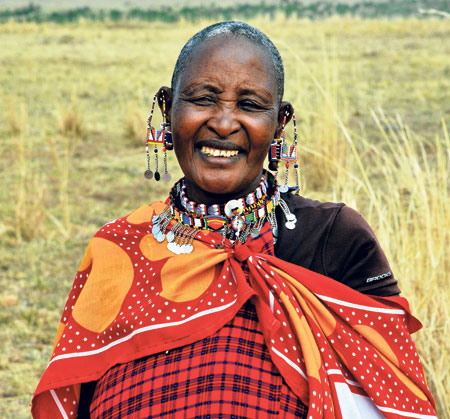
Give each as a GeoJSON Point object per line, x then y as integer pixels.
{"type": "Point", "coordinates": [201, 196]}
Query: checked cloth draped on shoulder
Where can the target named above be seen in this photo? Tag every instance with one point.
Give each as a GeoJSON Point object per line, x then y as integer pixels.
{"type": "Point", "coordinates": [344, 354]}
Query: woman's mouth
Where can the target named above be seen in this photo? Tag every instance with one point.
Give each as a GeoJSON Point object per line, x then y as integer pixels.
{"type": "Point", "coordinates": [216, 152]}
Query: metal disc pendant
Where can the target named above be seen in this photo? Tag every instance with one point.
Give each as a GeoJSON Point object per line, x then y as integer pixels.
{"type": "Point", "coordinates": [282, 188]}
{"type": "Point", "coordinates": [290, 225]}
{"type": "Point", "coordinates": [157, 176]}
{"type": "Point", "coordinates": [171, 247]}
{"type": "Point", "coordinates": [160, 237]}
{"type": "Point", "coordinates": [170, 236]}
{"type": "Point", "coordinates": [156, 230]}
{"type": "Point", "coordinates": [254, 233]}
{"type": "Point", "coordinates": [148, 174]}
{"type": "Point", "coordinates": [166, 177]}
{"type": "Point", "coordinates": [188, 248]}
{"type": "Point", "coordinates": [291, 218]}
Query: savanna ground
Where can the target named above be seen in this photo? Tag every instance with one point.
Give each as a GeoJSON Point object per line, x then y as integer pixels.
{"type": "Point", "coordinates": [372, 100]}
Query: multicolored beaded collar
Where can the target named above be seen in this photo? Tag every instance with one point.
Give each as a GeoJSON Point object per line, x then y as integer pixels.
{"type": "Point", "coordinates": [235, 220]}
{"type": "Point", "coordinates": [252, 198]}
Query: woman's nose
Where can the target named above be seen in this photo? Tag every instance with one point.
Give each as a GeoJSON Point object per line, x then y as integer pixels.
{"type": "Point", "coordinates": [224, 122]}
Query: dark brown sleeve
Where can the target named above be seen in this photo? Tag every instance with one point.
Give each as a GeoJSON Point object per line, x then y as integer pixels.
{"type": "Point", "coordinates": [354, 257]}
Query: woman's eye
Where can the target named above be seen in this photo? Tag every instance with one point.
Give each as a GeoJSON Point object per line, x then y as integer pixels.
{"type": "Point", "coordinates": [249, 105]}
{"type": "Point", "coordinates": [203, 101]}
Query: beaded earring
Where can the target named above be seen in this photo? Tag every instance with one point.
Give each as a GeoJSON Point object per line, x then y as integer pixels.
{"type": "Point", "coordinates": [280, 151]}
{"type": "Point", "coordinates": [162, 137]}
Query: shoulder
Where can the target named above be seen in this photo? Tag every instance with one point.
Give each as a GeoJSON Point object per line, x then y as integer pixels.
{"type": "Point", "coordinates": [117, 237]}
{"type": "Point", "coordinates": [304, 244]}
{"type": "Point", "coordinates": [141, 216]}
{"type": "Point", "coordinates": [335, 240]}
{"type": "Point", "coordinates": [300, 203]}
{"type": "Point", "coordinates": [331, 215]}
{"type": "Point", "coordinates": [314, 218]}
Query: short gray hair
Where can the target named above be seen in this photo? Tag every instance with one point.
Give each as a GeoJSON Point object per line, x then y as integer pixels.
{"type": "Point", "coordinates": [237, 29]}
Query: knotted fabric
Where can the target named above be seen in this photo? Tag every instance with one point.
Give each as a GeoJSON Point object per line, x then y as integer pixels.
{"type": "Point", "coordinates": [344, 354]}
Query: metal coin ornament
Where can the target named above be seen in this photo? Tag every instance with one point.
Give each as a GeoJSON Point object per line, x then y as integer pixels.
{"type": "Point", "coordinates": [254, 232]}
{"type": "Point", "coordinates": [290, 225]}
{"type": "Point", "coordinates": [291, 219]}
{"type": "Point", "coordinates": [170, 236]}
{"type": "Point", "coordinates": [148, 174]}
{"type": "Point", "coordinates": [171, 246]}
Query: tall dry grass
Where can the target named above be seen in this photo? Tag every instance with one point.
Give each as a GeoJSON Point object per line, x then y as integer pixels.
{"type": "Point", "coordinates": [135, 126]}
{"type": "Point", "coordinates": [409, 210]}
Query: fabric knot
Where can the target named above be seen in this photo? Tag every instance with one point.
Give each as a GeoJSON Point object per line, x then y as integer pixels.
{"type": "Point", "coordinates": [241, 252]}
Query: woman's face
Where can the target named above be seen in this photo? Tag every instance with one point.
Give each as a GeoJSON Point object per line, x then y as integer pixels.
{"type": "Point", "coordinates": [224, 115]}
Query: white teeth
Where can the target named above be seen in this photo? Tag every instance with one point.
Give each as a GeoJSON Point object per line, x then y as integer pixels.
{"type": "Point", "coordinates": [219, 152]}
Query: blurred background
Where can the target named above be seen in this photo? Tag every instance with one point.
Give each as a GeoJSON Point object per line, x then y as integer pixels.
{"type": "Point", "coordinates": [370, 82]}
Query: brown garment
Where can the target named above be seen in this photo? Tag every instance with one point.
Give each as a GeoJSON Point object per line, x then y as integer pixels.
{"type": "Point", "coordinates": [335, 240]}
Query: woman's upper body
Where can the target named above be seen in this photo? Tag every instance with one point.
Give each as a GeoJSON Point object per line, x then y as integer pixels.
{"type": "Point", "coordinates": [151, 282]}
{"type": "Point", "coordinates": [340, 238]}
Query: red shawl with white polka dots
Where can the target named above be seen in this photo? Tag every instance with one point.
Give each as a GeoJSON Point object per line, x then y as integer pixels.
{"type": "Point", "coordinates": [345, 354]}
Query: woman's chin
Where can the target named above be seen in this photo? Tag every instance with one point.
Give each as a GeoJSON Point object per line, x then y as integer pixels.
{"type": "Point", "coordinates": [220, 187]}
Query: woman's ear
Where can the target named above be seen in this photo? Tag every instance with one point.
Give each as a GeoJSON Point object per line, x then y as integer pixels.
{"type": "Point", "coordinates": [285, 109]}
{"type": "Point", "coordinates": [165, 93]}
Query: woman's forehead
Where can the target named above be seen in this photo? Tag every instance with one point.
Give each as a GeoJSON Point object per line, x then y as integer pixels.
{"type": "Point", "coordinates": [229, 59]}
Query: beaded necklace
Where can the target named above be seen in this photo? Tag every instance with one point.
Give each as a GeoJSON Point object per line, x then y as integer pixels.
{"type": "Point", "coordinates": [254, 198]}
{"type": "Point", "coordinates": [235, 220]}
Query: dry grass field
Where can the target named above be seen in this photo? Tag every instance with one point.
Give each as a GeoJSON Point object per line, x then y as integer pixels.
{"type": "Point", "coordinates": [372, 100]}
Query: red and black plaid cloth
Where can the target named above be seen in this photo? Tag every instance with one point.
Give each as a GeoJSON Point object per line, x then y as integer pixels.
{"type": "Point", "coordinates": [229, 374]}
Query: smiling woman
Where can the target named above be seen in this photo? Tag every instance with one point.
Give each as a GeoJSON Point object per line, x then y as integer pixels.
{"type": "Point", "coordinates": [236, 297]}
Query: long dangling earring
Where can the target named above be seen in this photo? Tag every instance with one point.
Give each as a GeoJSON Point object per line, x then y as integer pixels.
{"type": "Point", "coordinates": [167, 144]}
{"type": "Point", "coordinates": [280, 150]}
{"type": "Point", "coordinates": [162, 137]}
{"type": "Point", "coordinates": [148, 173]}
{"type": "Point", "coordinates": [289, 155]}
{"type": "Point", "coordinates": [296, 165]}
{"type": "Point", "coordinates": [275, 148]}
